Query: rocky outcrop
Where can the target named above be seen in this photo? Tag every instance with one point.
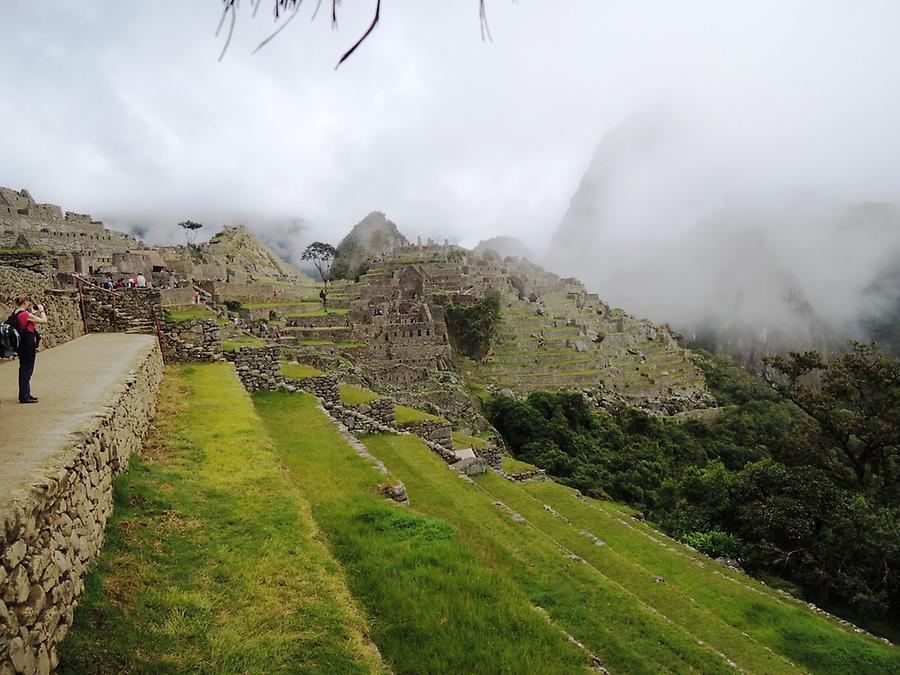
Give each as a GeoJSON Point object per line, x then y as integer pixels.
{"type": "Point", "coordinates": [51, 532]}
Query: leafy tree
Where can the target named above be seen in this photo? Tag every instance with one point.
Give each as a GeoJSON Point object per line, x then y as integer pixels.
{"type": "Point", "coordinates": [321, 255]}
{"type": "Point", "coordinates": [473, 328]}
{"type": "Point", "coordinates": [190, 231]}
{"type": "Point", "coordinates": [857, 409]}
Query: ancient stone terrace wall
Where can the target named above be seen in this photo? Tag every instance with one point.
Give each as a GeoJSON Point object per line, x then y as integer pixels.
{"type": "Point", "coordinates": [325, 387]}
{"type": "Point", "coordinates": [130, 310]}
{"type": "Point", "coordinates": [50, 533]}
{"type": "Point", "coordinates": [63, 309]}
{"type": "Point", "coordinates": [239, 292]}
{"type": "Point", "coordinates": [258, 367]}
{"type": "Point", "coordinates": [198, 340]}
{"type": "Point", "coordinates": [172, 297]}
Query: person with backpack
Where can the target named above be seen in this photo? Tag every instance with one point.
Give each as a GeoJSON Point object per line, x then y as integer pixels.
{"type": "Point", "coordinates": [29, 339]}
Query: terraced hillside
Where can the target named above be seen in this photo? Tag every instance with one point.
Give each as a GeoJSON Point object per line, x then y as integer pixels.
{"type": "Point", "coordinates": [566, 342]}
{"type": "Point", "coordinates": [261, 542]}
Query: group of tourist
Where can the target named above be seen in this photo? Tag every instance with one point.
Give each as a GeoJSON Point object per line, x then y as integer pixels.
{"type": "Point", "coordinates": [137, 281]}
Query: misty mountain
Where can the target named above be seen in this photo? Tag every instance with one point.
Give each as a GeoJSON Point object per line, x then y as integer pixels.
{"type": "Point", "coordinates": [658, 226]}
{"type": "Point", "coordinates": [372, 235]}
{"type": "Point", "coordinates": [505, 247]}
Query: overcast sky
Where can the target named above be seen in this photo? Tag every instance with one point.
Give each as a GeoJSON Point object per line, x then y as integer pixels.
{"type": "Point", "coordinates": [122, 110]}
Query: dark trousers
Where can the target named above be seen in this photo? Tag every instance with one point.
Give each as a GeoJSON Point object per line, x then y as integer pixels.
{"type": "Point", "coordinates": [27, 354]}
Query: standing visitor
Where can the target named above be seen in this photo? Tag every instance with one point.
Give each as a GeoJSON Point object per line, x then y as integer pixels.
{"type": "Point", "coordinates": [140, 281]}
{"type": "Point", "coordinates": [29, 339]}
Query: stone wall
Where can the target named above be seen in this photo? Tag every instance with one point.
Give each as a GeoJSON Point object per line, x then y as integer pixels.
{"type": "Point", "coordinates": [51, 532]}
{"type": "Point", "coordinates": [438, 432]}
{"type": "Point", "coordinates": [325, 387]}
{"type": "Point", "coordinates": [198, 340]}
{"type": "Point", "coordinates": [63, 309]}
{"type": "Point", "coordinates": [381, 409]}
{"type": "Point", "coordinates": [131, 310]}
{"type": "Point", "coordinates": [258, 367]}
{"type": "Point", "coordinates": [239, 292]}
{"type": "Point", "coordinates": [172, 297]}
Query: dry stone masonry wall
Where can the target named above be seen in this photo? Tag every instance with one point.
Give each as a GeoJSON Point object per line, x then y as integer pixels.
{"type": "Point", "coordinates": [258, 367]}
{"type": "Point", "coordinates": [51, 532]}
{"type": "Point", "coordinates": [62, 306]}
{"type": "Point", "coordinates": [198, 340]}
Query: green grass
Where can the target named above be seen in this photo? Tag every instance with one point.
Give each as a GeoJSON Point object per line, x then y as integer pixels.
{"type": "Point", "coordinates": [212, 561]}
{"type": "Point", "coordinates": [608, 598]}
{"type": "Point", "coordinates": [432, 607]}
{"type": "Point", "coordinates": [351, 395]}
{"type": "Point", "coordinates": [512, 465]}
{"type": "Point", "coordinates": [299, 371]}
{"type": "Point", "coordinates": [246, 341]}
{"type": "Point", "coordinates": [461, 440]}
{"type": "Point", "coordinates": [406, 415]}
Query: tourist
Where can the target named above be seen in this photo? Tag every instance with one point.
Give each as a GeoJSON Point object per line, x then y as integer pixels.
{"type": "Point", "coordinates": [120, 284]}
{"type": "Point", "coordinates": [29, 339]}
{"type": "Point", "coordinates": [140, 281]}
{"type": "Point", "coordinates": [108, 284]}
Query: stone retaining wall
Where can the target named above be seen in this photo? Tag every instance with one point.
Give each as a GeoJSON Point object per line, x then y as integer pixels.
{"type": "Point", "coordinates": [434, 431]}
{"type": "Point", "coordinates": [381, 409]}
{"type": "Point", "coordinates": [132, 310]}
{"type": "Point", "coordinates": [258, 367]}
{"type": "Point", "coordinates": [63, 309]}
{"type": "Point", "coordinates": [324, 387]}
{"type": "Point", "coordinates": [537, 474]}
{"type": "Point", "coordinates": [198, 340]}
{"type": "Point", "coordinates": [51, 532]}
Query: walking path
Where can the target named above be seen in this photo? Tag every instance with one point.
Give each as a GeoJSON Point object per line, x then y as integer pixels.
{"type": "Point", "coordinates": [73, 382]}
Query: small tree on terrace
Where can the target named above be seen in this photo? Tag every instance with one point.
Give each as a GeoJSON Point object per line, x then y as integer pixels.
{"type": "Point", "coordinates": [190, 230]}
{"type": "Point", "coordinates": [321, 255]}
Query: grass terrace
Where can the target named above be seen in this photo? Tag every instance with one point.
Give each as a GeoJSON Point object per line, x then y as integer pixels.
{"type": "Point", "coordinates": [213, 562]}
{"type": "Point", "coordinates": [246, 341]}
{"type": "Point", "coordinates": [432, 607]}
{"type": "Point", "coordinates": [351, 395]}
{"type": "Point", "coordinates": [406, 415]}
{"type": "Point", "coordinates": [461, 440]}
{"type": "Point", "coordinates": [513, 465]}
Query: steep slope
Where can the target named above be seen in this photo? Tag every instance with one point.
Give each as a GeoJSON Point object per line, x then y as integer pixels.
{"type": "Point", "coordinates": [504, 246]}
{"type": "Point", "coordinates": [665, 226]}
{"type": "Point", "coordinates": [240, 249]}
{"type": "Point", "coordinates": [373, 235]}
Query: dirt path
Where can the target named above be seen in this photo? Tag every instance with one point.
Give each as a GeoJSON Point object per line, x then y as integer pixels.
{"type": "Point", "coordinates": [73, 382]}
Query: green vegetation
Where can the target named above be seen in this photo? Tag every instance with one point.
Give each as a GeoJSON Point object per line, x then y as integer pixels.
{"type": "Point", "coordinates": [785, 492]}
{"type": "Point", "coordinates": [643, 603]}
{"type": "Point", "coordinates": [299, 371]}
{"type": "Point", "coordinates": [244, 341]}
{"type": "Point", "coordinates": [351, 395]}
{"type": "Point", "coordinates": [212, 561]}
{"type": "Point", "coordinates": [406, 415]}
{"type": "Point", "coordinates": [432, 606]}
{"type": "Point", "coordinates": [512, 465]}
{"type": "Point", "coordinates": [473, 328]}
{"type": "Point", "coordinates": [461, 440]}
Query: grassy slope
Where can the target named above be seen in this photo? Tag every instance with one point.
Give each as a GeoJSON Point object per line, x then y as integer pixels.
{"type": "Point", "coordinates": [406, 415]}
{"type": "Point", "coordinates": [351, 395]}
{"type": "Point", "coordinates": [213, 562]}
{"type": "Point", "coordinates": [433, 607]}
{"type": "Point", "coordinates": [604, 601]}
{"type": "Point", "coordinates": [298, 371]}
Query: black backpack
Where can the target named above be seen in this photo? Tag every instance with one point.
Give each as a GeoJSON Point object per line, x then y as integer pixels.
{"type": "Point", "coordinates": [9, 336]}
